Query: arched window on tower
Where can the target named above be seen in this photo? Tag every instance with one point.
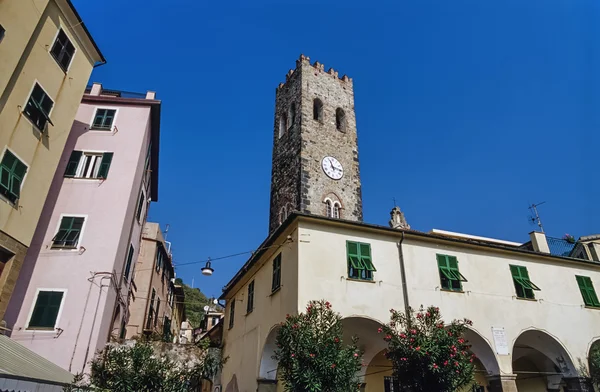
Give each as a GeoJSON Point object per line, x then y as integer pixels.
{"type": "Point", "coordinates": [340, 120]}
{"type": "Point", "coordinates": [318, 109]}
{"type": "Point", "coordinates": [292, 115]}
{"type": "Point", "coordinates": [336, 210]}
{"type": "Point", "coordinates": [282, 124]}
{"type": "Point", "coordinates": [283, 214]}
{"type": "Point", "coordinates": [328, 208]}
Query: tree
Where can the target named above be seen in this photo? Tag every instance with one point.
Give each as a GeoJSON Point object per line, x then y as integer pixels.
{"type": "Point", "coordinates": [428, 355]}
{"type": "Point", "coordinates": [149, 367]}
{"type": "Point", "coordinates": [311, 355]}
{"type": "Point", "coordinates": [594, 363]}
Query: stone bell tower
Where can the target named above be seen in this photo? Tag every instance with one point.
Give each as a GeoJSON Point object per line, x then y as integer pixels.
{"type": "Point", "coordinates": [315, 152]}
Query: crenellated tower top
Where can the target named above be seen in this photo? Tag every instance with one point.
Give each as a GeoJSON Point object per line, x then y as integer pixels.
{"type": "Point", "coordinates": [304, 61]}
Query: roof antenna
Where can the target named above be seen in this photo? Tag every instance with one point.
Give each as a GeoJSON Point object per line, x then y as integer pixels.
{"type": "Point", "coordinates": [166, 231]}
{"type": "Point", "coordinates": [535, 217]}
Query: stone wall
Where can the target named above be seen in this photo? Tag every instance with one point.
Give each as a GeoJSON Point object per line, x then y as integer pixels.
{"type": "Point", "coordinates": [298, 179]}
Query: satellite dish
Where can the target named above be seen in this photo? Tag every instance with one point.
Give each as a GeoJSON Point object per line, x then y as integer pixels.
{"type": "Point", "coordinates": [206, 307]}
{"type": "Point", "coordinates": [215, 301]}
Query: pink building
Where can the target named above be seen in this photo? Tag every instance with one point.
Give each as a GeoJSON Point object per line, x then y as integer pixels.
{"type": "Point", "coordinates": [73, 291]}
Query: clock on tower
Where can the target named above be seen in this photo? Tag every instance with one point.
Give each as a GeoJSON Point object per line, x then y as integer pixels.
{"type": "Point", "coordinates": [315, 153]}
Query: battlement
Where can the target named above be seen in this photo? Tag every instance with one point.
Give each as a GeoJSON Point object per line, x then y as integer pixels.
{"type": "Point", "coordinates": [320, 68]}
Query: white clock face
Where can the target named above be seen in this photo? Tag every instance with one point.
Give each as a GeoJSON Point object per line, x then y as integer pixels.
{"type": "Point", "coordinates": [332, 167]}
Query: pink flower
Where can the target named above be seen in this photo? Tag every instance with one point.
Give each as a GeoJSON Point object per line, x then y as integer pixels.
{"type": "Point", "coordinates": [445, 363]}
{"type": "Point", "coordinates": [419, 315]}
{"type": "Point", "coordinates": [388, 337]}
{"type": "Point", "coordinates": [435, 366]}
{"type": "Point", "coordinates": [418, 348]}
{"type": "Point", "coordinates": [355, 355]}
{"type": "Point", "coordinates": [413, 331]}
{"type": "Point", "coordinates": [312, 355]}
{"type": "Point", "coordinates": [293, 355]}
{"type": "Point", "coordinates": [379, 330]}
{"type": "Point", "coordinates": [427, 314]}
{"type": "Point", "coordinates": [336, 340]}
{"type": "Point", "coordinates": [333, 365]}
{"type": "Point", "coordinates": [402, 335]}
{"type": "Point", "coordinates": [455, 363]}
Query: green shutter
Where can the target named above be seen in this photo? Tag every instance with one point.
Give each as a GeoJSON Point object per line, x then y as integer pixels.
{"type": "Point", "coordinates": [129, 260]}
{"type": "Point", "coordinates": [46, 309]}
{"type": "Point", "coordinates": [71, 169]}
{"type": "Point", "coordinates": [105, 165]}
{"type": "Point", "coordinates": [587, 291]}
{"type": "Point", "coordinates": [365, 256]}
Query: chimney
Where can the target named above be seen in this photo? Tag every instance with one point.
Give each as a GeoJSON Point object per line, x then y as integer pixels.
{"type": "Point", "coordinates": [96, 89]}
{"type": "Point", "coordinates": [398, 221]}
{"type": "Point", "coordinates": [151, 95]}
{"type": "Point", "coordinates": [539, 242]}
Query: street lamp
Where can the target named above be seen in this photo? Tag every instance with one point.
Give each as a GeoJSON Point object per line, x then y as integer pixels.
{"type": "Point", "coordinates": [207, 270]}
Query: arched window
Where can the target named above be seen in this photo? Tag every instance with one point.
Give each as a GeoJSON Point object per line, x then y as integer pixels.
{"type": "Point", "coordinates": [317, 110]}
{"type": "Point", "coordinates": [328, 208]}
{"type": "Point", "coordinates": [283, 214]}
{"type": "Point", "coordinates": [336, 210]}
{"type": "Point", "coordinates": [340, 120]}
{"type": "Point", "coordinates": [292, 115]}
{"type": "Point", "coordinates": [282, 124]}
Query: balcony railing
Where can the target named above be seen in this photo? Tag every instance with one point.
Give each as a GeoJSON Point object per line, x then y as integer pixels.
{"type": "Point", "coordinates": [561, 247]}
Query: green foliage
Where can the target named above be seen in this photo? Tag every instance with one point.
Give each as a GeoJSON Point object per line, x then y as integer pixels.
{"type": "Point", "coordinates": [147, 368]}
{"type": "Point", "coordinates": [594, 363]}
{"type": "Point", "coordinates": [427, 354]}
{"type": "Point", "coordinates": [311, 355]}
{"type": "Point", "coordinates": [195, 301]}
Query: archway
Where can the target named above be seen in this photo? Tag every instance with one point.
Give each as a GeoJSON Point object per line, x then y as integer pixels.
{"type": "Point", "coordinates": [486, 363]}
{"type": "Point", "coordinates": [372, 344]}
{"type": "Point", "coordinates": [540, 362]}
{"type": "Point", "coordinates": [267, 373]}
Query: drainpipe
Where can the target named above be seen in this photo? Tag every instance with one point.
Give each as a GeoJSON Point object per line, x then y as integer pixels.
{"type": "Point", "coordinates": [403, 277]}
{"type": "Point", "coordinates": [87, 351]}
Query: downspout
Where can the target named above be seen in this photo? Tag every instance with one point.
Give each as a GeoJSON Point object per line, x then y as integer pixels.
{"type": "Point", "coordinates": [403, 277]}
{"type": "Point", "coordinates": [87, 351]}
{"type": "Point", "coordinates": [81, 323]}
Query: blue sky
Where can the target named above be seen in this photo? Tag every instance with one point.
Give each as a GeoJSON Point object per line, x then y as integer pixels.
{"type": "Point", "coordinates": [467, 110]}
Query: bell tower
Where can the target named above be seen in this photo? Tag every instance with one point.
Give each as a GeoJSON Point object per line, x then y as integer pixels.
{"type": "Point", "coordinates": [315, 152]}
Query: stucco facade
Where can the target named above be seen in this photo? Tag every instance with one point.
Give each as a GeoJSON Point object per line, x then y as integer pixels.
{"type": "Point", "coordinates": [27, 60]}
{"type": "Point", "coordinates": [73, 293]}
{"type": "Point", "coordinates": [541, 342]}
{"type": "Point", "coordinates": [152, 305]}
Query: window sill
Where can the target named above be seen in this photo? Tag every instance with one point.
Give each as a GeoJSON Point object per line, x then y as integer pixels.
{"type": "Point", "coordinates": [249, 312]}
{"type": "Point", "coordinates": [101, 129]}
{"type": "Point", "coordinates": [86, 178]}
{"type": "Point", "coordinates": [360, 280]}
{"type": "Point", "coordinates": [527, 299]}
{"type": "Point", "coordinates": [275, 291]}
{"type": "Point", "coordinates": [58, 247]}
{"type": "Point", "coordinates": [452, 291]}
{"type": "Point", "coordinates": [43, 329]}
{"type": "Point", "coordinates": [592, 307]}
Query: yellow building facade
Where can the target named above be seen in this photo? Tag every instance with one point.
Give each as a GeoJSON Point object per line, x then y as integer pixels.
{"type": "Point", "coordinates": [46, 58]}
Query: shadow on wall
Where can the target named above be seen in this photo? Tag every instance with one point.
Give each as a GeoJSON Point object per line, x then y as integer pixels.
{"type": "Point", "coordinates": [18, 296]}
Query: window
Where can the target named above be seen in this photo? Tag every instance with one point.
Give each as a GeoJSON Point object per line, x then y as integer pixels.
{"type": "Point", "coordinates": [450, 276]}
{"type": "Point", "coordinates": [12, 172]}
{"type": "Point", "coordinates": [157, 310]}
{"type": "Point", "coordinates": [360, 265]}
{"type": "Point", "coordinates": [292, 116]}
{"type": "Point", "coordinates": [88, 165]}
{"type": "Point", "coordinates": [159, 258]}
{"type": "Point", "coordinates": [282, 124]}
{"type": "Point", "coordinates": [523, 285]}
{"type": "Point", "coordinates": [215, 320]}
{"type": "Point", "coordinates": [390, 384]}
{"type": "Point", "coordinates": [231, 313]}
{"type": "Point", "coordinates": [140, 207]}
{"type": "Point", "coordinates": [5, 257]}
{"type": "Point", "coordinates": [128, 263]}
{"type": "Point", "coordinates": [63, 50]}
{"type": "Point", "coordinates": [68, 232]}
{"type": "Point", "coordinates": [2, 33]}
{"type": "Point", "coordinates": [593, 253]}
{"type": "Point", "coordinates": [283, 214]}
{"type": "Point", "coordinates": [340, 120]}
{"type": "Point", "coordinates": [317, 110]}
{"type": "Point", "coordinates": [276, 282]}
{"type": "Point", "coordinates": [151, 310]}
{"type": "Point", "coordinates": [38, 107]}
{"type": "Point", "coordinates": [250, 304]}
{"type": "Point", "coordinates": [332, 209]}
{"type": "Point", "coordinates": [103, 120]}
{"type": "Point", "coordinates": [45, 310]}
{"type": "Point", "coordinates": [587, 291]}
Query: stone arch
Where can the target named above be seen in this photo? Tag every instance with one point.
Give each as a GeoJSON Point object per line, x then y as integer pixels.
{"type": "Point", "coordinates": [332, 205]}
{"type": "Point", "coordinates": [369, 340]}
{"type": "Point", "coordinates": [291, 116]}
{"type": "Point", "coordinates": [593, 346]}
{"type": "Point", "coordinates": [317, 109]}
{"type": "Point", "coordinates": [536, 352]}
{"type": "Point", "coordinates": [482, 349]}
{"type": "Point", "coordinates": [340, 120]}
{"type": "Point", "coordinates": [283, 120]}
{"type": "Point", "coordinates": [268, 366]}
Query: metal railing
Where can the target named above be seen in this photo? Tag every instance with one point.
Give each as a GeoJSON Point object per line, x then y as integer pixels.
{"type": "Point", "coordinates": [561, 247]}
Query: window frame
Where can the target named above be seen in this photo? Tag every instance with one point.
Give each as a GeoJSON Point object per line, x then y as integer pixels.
{"type": "Point", "coordinates": [358, 262]}
{"type": "Point", "coordinates": [71, 41]}
{"type": "Point", "coordinates": [318, 109]}
{"type": "Point", "coordinates": [585, 284]}
{"type": "Point", "coordinates": [250, 302]}
{"type": "Point", "coordinates": [81, 232]}
{"type": "Point", "coordinates": [114, 121]}
{"type": "Point", "coordinates": [524, 282]}
{"type": "Point", "coordinates": [24, 107]}
{"type": "Point", "coordinates": [232, 313]}
{"type": "Point", "coordinates": [449, 273]}
{"type": "Point", "coordinates": [139, 212]}
{"type": "Point", "coordinates": [58, 314]}
{"type": "Point", "coordinates": [128, 262]}
{"type": "Point", "coordinates": [276, 283]}
{"type": "Point", "coordinates": [27, 167]}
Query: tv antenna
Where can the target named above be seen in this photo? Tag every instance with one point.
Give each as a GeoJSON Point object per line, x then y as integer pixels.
{"type": "Point", "coordinates": [534, 218]}
{"type": "Point", "coordinates": [166, 231]}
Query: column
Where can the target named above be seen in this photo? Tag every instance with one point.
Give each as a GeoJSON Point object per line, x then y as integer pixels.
{"type": "Point", "coordinates": [504, 383]}
{"type": "Point", "coordinates": [579, 384]}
